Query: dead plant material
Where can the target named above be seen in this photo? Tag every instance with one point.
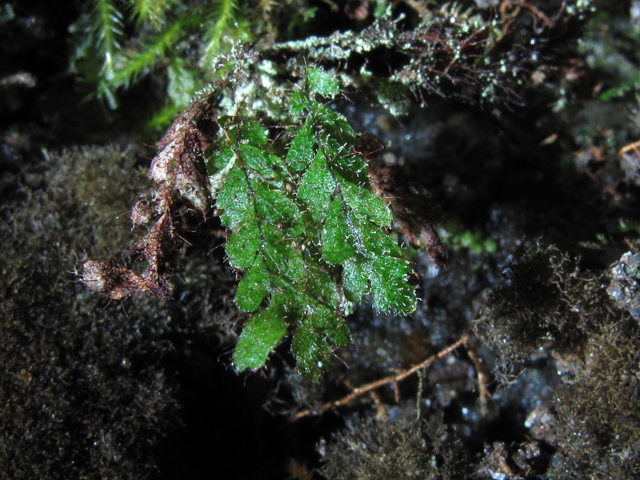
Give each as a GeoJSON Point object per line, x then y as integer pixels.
{"type": "Point", "coordinates": [482, 372]}
{"type": "Point", "coordinates": [177, 168]}
{"type": "Point", "coordinates": [385, 381]}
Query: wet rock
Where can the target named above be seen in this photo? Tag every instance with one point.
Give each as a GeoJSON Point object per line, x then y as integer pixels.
{"type": "Point", "coordinates": [625, 288]}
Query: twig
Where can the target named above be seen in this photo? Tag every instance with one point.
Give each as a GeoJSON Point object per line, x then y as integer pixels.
{"type": "Point", "coordinates": [381, 411]}
{"type": "Point", "coordinates": [396, 392]}
{"type": "Point", "coordinates": [483, 374]}
{"type": "Point", "coordinates": [632, 146]}
{"type": "Point", "coordinates": [618, 196]}
{"type": "Point", "coordinates": [385, 381]}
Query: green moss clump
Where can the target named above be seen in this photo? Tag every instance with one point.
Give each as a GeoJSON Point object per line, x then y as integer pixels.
{"type": "Point", "coordinates": [117, 44]}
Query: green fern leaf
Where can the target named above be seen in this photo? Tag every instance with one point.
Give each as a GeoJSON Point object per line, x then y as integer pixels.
{"type": "Point", "coordinates": [261, 334]}
{"type": "Point", "coordinates": [323, 83]}
{"type": "Point", "coordinates": [316, 187]}
{"type": "Point", "coordinates": [306, 230]}
{"type": "Point", "coordinates": [254, 287]}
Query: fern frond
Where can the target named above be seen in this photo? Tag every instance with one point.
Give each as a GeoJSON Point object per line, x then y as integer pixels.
{"type": "Point", "coordinates": [309, 235]}
{"type": "Point", "coordinates": [109, 28]}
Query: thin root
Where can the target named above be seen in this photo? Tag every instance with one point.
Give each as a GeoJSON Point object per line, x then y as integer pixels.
{"type": "Point", "coordinates": [483, 374]}
{"type": "Point", "coordinates": [385, 381]}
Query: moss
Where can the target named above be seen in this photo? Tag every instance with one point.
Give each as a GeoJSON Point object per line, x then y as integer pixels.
{"type": "Point", "coordinates": [389, 451]}
{"type": "Point", "coordinates": [87, 392]}
{"type": "Point", "coordinates": [551, 303]}
{"type": "Point", "coordinates": [598, 421]}
{"type": "Point", "coordinates": [117, 44]}
{"type": "Point", "coordinates": [548, 302]}
{"type": "Point", "coordinates": [458, 56]}
{"type": "Point", "coordinates": [83, 396]}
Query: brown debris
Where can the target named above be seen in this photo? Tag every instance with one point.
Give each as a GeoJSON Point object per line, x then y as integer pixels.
{"type": "Point", "coordinates": [482, 372]}
{"type": "Point", "coordinates": [116, 282]}
{"type": "Point", "coordinates": [177, 168]}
